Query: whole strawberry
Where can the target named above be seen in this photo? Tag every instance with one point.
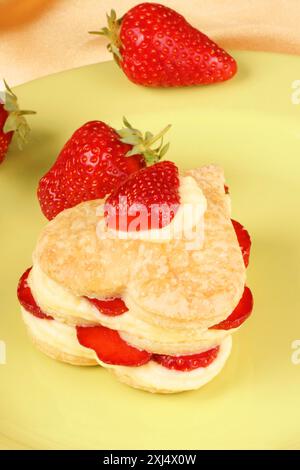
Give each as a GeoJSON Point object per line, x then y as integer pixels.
{"type": "Point", "coordinates": [155, 46]}
{"type": "Point", "coordinates": [12, 121]}
{"type": "Point", "coordinates": [94, 162]}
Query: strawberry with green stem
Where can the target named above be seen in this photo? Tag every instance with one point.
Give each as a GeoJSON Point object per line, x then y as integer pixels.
{"type": "Point", "coordinates": [155, 46]}
{"type": "Point", "coordinates": [12, 121]}
{"type": "Point", "coordinates": [94, 162]}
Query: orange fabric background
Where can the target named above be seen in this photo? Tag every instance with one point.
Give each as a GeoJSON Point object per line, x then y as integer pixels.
{"type": "Point", "coordinates": [39, 37]}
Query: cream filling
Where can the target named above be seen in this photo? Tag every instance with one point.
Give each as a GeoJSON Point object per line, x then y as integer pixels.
{"type": "Point", "coordinates": [187, 224]}
{"type": "Point", "coordinates": [58, 302]}
{"type": "Point", "coordinates": [57, 335]}
{"type": "Point", "coordinates": [155, 377]}
{"type": "Point", "coordinates": [150, 376]}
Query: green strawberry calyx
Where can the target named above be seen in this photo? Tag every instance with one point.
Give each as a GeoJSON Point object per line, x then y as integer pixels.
{"type": "Point", "coordinates": [143, 143]}
{"type": "Point", "coordinates": [111, 31]}
{"type": "Point", "coordinates": [15, 121]}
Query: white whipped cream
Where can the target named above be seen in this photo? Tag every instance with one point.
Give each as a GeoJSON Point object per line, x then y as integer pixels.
{"type": "Point", "coordinates": [155, 376]}
{"type": "Point", "coordinates": [150, 375]}
{"type": "Point", "coordinates": [56, 301]}
{"type": "Point", "coordinates": [64, 306]}
{"type": "Point", "coordinates": [57, 335]}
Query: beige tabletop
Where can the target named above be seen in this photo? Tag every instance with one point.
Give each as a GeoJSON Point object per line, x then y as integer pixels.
{"type": "Point", "coordinates": [40, 37]}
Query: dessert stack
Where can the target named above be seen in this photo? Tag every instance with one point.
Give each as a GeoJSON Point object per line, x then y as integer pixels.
{"type": "Point", "coordinates": [154, 298]}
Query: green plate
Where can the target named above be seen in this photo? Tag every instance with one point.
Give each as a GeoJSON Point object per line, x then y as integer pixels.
{"type": "Point", "coordinates": [248, 125]}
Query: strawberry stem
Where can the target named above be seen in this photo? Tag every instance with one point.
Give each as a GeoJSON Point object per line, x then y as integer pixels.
{"type": "Point", "coordinates": [159, 135]}
{"type": "Point", "coordinates": [112, 33]}
{"type": "Point", "coordinates": [142, 144]}
{"type": "Point", "coordinates": [15, 121]}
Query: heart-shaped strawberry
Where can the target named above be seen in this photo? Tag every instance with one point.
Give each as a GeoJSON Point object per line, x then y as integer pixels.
{"type": "Point", "coordinates": [94, 162]}
{"type": "Point", "coordinates": [155, 46]}
{"type": "Point", "coordinates": [147, 200]}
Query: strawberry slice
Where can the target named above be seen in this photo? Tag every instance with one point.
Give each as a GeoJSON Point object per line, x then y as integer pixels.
{"type": "Point", "coordinates": [241, 312]}
{"type": "Point", "coordinates": [243, 239]}
{"type": "Point", "coordinates": [26, 298]}
{"type": "Point", "coordinates": [187, 363]}
{"type": "Point", "coordinates": [110, 347]}
{"type": "Point", "coordinates": [148, 199]}
{"type": "Point", "coordinates": [111, 307]}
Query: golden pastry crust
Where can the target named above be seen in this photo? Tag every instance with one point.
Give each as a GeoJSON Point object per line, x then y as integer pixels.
{"type": "Point", "coordinates": [67, 308]}
{"type": "Point", "coordinates": [170, 284]}
{"type": "Point", "coordinates": [70, 252]}
{"type": "Point", "coordinates": [211, 180]}
{"type": "Point", "coordinates": [58, 355]}
{"type": "Point", "coordinates": [176, 348]}
{"type": "Point", "coordinates": [174, 285]}
{"type": "Point", "coordinates": [58, 302]}
{"type": "Point", "coordinates": [155, 378]}
{"type": "Point", "coordinates": [57, 340]}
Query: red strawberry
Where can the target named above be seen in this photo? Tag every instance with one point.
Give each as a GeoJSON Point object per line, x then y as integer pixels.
{"type": "Point", "coordinates": [187, 363]}
{"type": "Point", "coordinates": [243, 239]}
{"type": "Point", "coordinates": [241, 312]}
{"type": "Point", "coordinates": [11, 121]}
{"type": "Point", "coordinates": [151, 194]}
{"type": "Point", "coordinates": [110, 347]}
{"type": "Point", "coordinates": [26, 298]}
{"type": "Point", "coordinates": [112, 307]}
{"type": "Point", "coordinates": [155, 46]}
{"type": "Point", "coordinates": [93, 163]}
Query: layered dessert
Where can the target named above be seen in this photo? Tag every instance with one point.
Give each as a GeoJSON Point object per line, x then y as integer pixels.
{"type": "Point", "coordinates": [154, 298]}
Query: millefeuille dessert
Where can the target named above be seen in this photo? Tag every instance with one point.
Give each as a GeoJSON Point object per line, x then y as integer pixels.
{"type": "Point", "coordinates": [149, 283]}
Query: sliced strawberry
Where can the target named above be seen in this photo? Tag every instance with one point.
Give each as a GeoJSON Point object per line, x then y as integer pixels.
{"type": "Point", "coordinates": [26, 298]}
{"type": "Point", "coordinates": [150, 196]}
{"type": "Point", "coordinates": [187, 363]}
{"type": "Point", "coordinates": [110, 347]}
{"type": "Point", "coordinates": [111, 307]}
{"type": "Point", "coordinates": [241, 312]}
{"type": "Point", "coordinates": [243, 239]}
